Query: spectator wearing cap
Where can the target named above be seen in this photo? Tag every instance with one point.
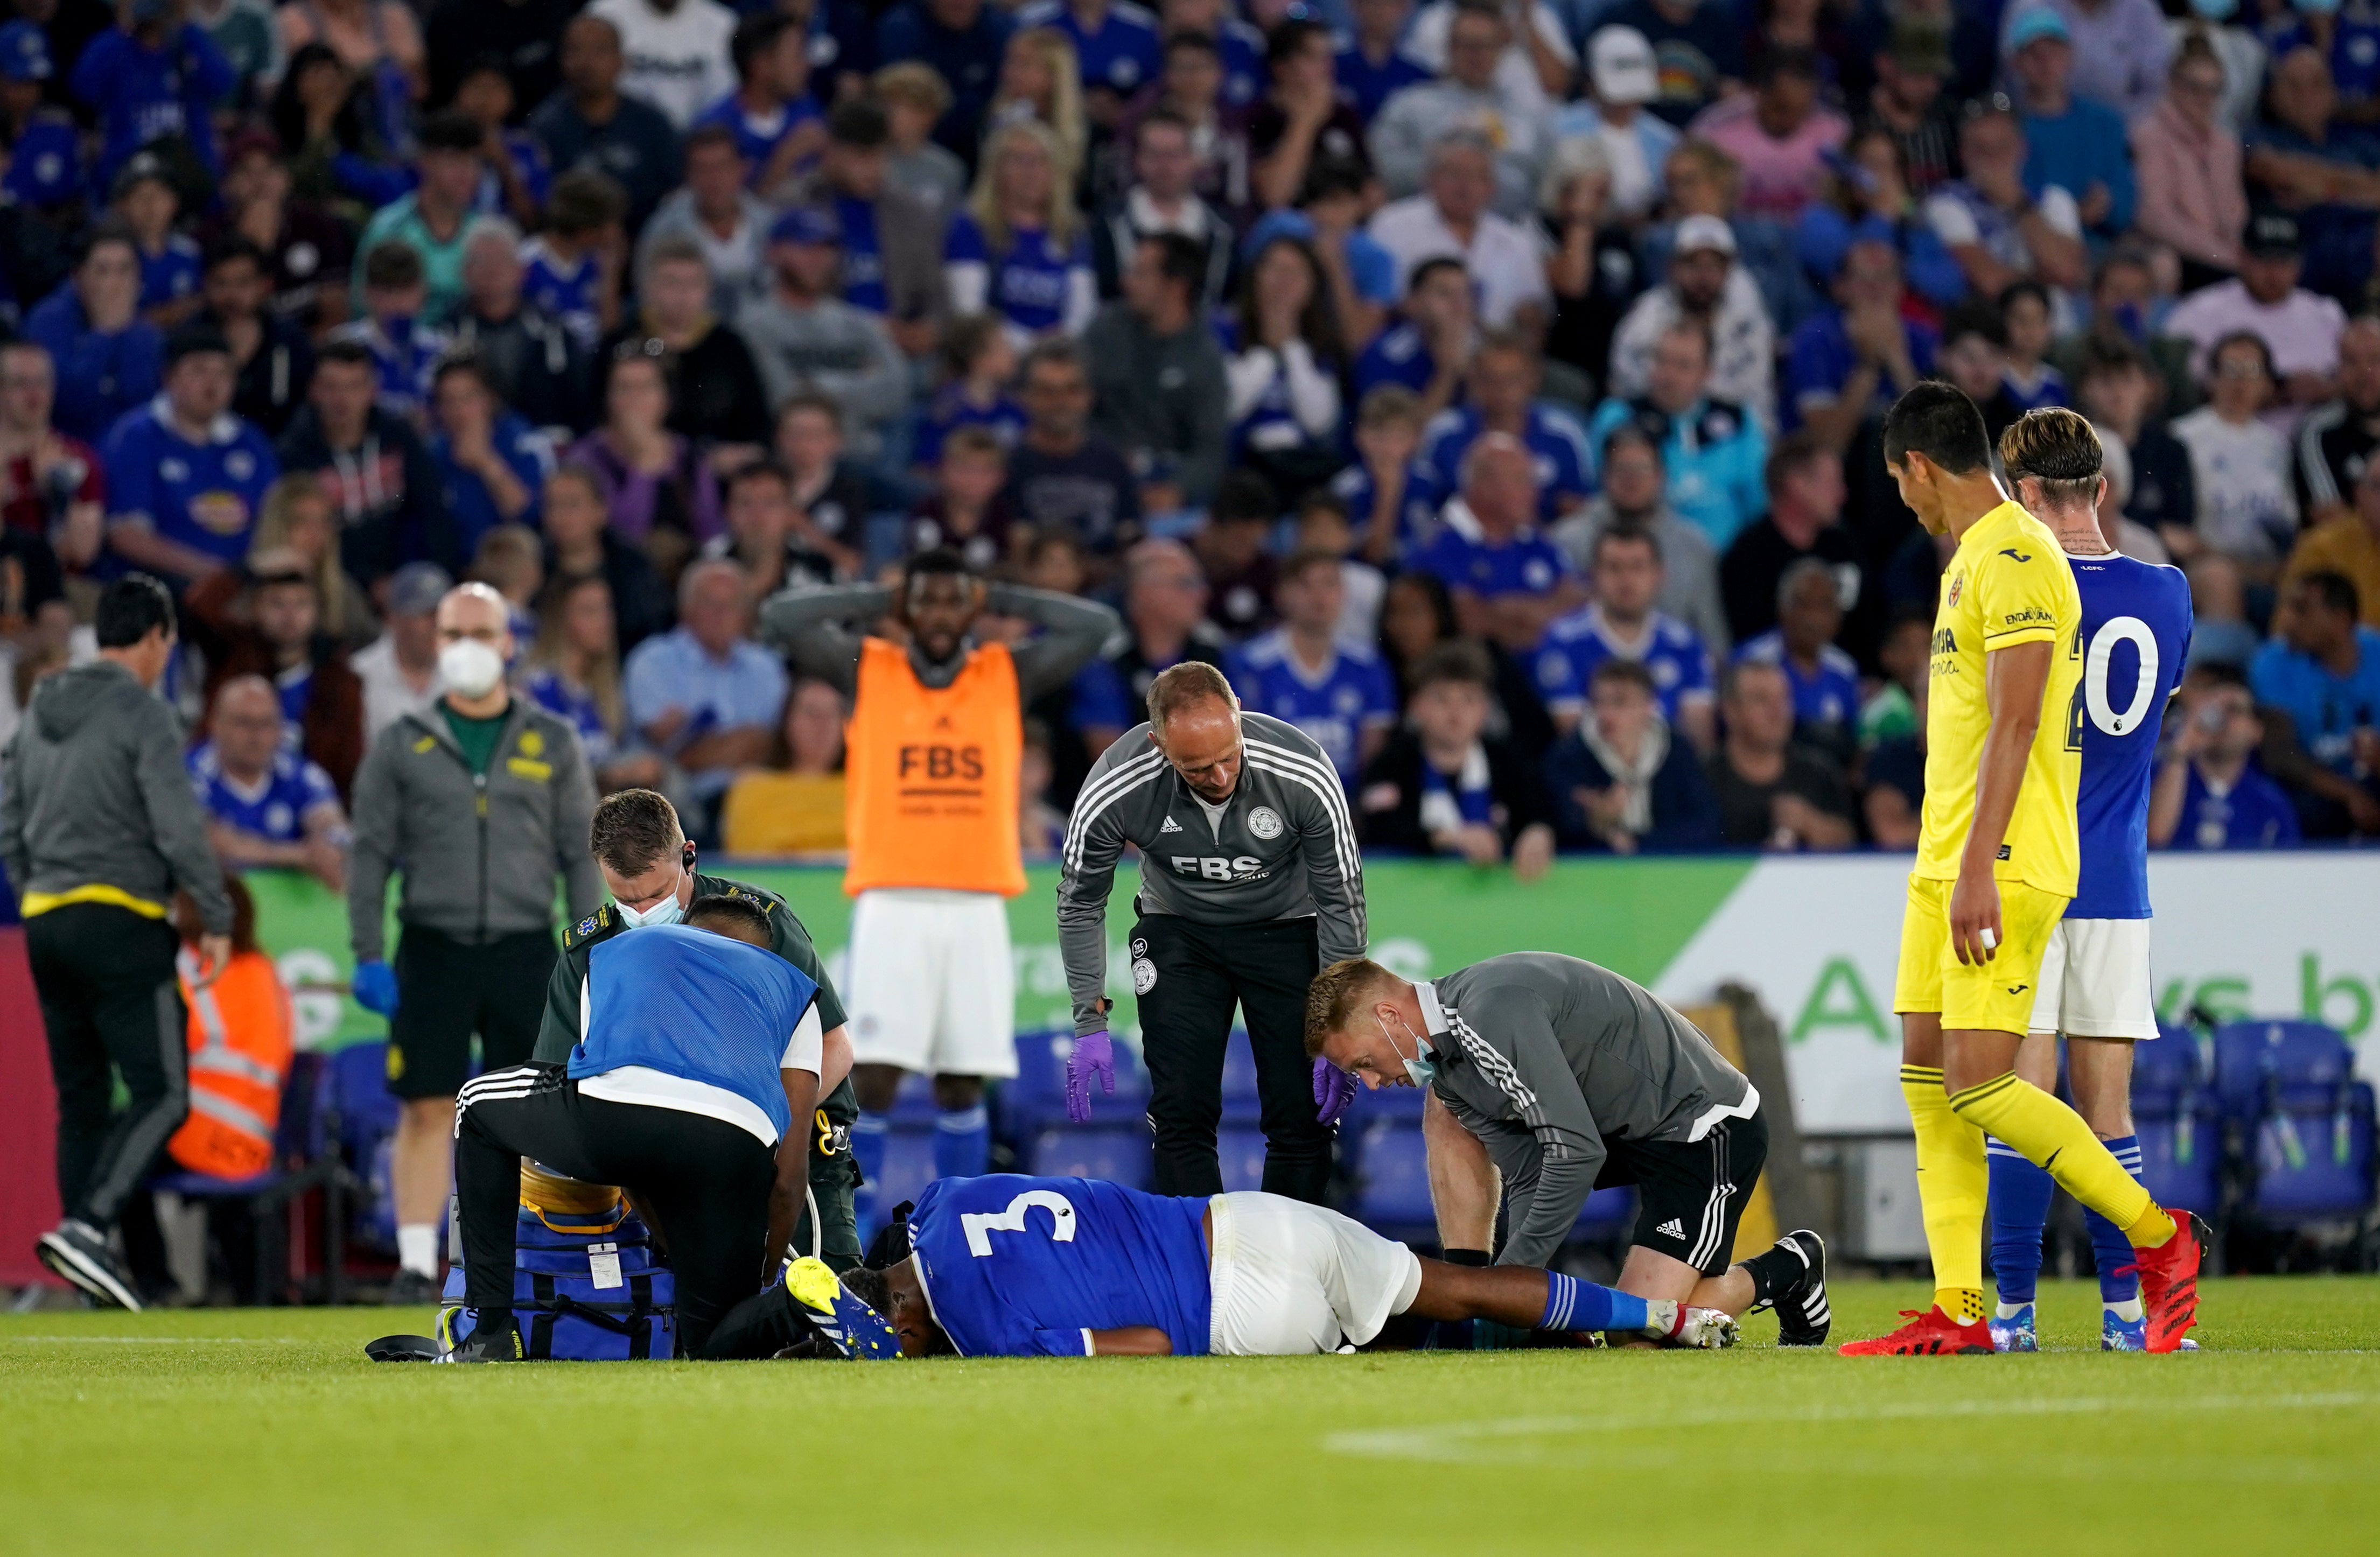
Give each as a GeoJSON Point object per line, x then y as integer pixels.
{"type": "Point", "coordinates": [1445, 786]}
{"type": "Point", "coordinates": [2209, 792]}
{"type": "Point", "coordinates": [679, 53]}
{"type": "Point", "coordinates": [265, 618]}
{"type": "Point", "coordinates": [2327, 171]}
{"type": "Point", "coordinates": [532, 360]}
{"type": "Point", "coordinates": [2347, 543]}
{"type": "Point", "coordinates": [108, 359]}
{"type": "Point", "coordinates": [1161, 197]}
{"type": "Point", "coordinates": [2189, 166]}
{"type": "Point", "coordinates": [1635, 497]}
{"type": "Point", "coordinates": [492, 464]}
{"type": "Point", "coordinates": [1712, 446]}
{"type": "Point", "coordinates": [1779, 135]}
{"type": "Point", "coordinates": [1419, 119]}
{"type": "Point", "coordinates": [1909, 104]}
{"type": "Point", "coordinates": [915, 100]}
{"type": "Point", "coordinates": [1372, 64]}
{"type": "Point", "coordinates": [2322, 672]}
{"type": "Point", "coordinates": [434, 219]}
{"type": "Point", "coordinates": [374, 466]}
{"type": "Point", "coordinates": [2071, 141]}
{"type": "Point", "coordinates": [1161, 393]}
{"type": "Point", "coordinates": [1508, 581]}
{"type": "Point", "coordinates": [778, 126]}
{"type": "Point", "coordinates": [1621, 81]}
{"type": "Point", "coordinates": [1706, 288]}
{"type": "Point", "coordinates": [892, 240]}
{"type": "Point", "coordinates": [306, 250]}
{"type": "Point", "coordinates": [715, 389]}
{"type": "Point", "coordinates": [1999, 230]}
{"type": "Point", "coordinates": [43, 150]}
{"type": "Point", "coordinates": [719, 211]}
{"type": "Point", "coordinates": [190, 475]}
{"type": "Point", "coordinates": [2300, 328]}
{"type": "Point", "coordinates": [589, 122]}
{"type": "Point", "coordinates": [518, 36]}
{"type": "Point", "coordinates": [806, 336]}
{"type": "Point", "coordinates": [2336, 441]}
{"type": "Point", "coordinates": [274, 358]}
{"type": "Point", "coordinates": [1620, 780]}
{"type": "Point", "coordinates": [1848, 363]}
{"type": "Point", "coordinates": [962, 41]}
{"type": "Point", "coordinates": [151, 76]}
{"type": "Point", "coordinates": [1450, 219]}
{"type": "Point", "coordinates": [1302, 121]}
{"type": "Point", "coordinates": [1506, 374]}
{"type": "Point", "coordinates": [2120, 49]}
{"type": "Point", "coordinates": [1700, 45]}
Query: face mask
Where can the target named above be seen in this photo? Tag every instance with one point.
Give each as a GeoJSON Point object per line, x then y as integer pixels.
{"type": "Point", "coordinates": [667, 911]}
{"type": "Point", "coordinates": [470, 667]}
{"type": "Point", "coordinates": [1421, 1069]}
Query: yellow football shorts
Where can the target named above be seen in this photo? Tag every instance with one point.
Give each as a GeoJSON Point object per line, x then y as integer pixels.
{"type": "Point", "coordinates": [1994, 996]}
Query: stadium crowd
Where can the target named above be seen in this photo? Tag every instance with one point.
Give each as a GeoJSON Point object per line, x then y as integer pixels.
{"type": "Point", "coordinates": [1492, 389]}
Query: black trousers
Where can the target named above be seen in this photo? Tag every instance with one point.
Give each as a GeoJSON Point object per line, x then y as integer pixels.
{"type": "Point", "coordinates": [1200, 973]}
{"type": "Point", "coordinates": [447, 989]}
{"type": "Point", "coordinates": [705, 1183]}
{"type": "Point", "coordinates": [110, 1003]}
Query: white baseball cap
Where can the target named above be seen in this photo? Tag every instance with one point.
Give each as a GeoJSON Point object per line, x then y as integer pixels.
{"type": "Point", "coordinates": [1696, 233]}
{"type": "Point", "coordinates": [1621, 63]}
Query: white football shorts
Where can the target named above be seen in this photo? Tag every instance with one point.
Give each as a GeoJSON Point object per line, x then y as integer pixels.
{"type": "Point", "coordinates": [1295, 1280]}
{"type": "Point", "coordinates": [931, 986]}
{"type": "Point", "coordinates": [2095, 981]}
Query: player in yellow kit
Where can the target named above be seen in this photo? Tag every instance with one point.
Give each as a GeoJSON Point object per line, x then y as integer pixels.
{"type": "Point", "coordinates": [1998, 857]}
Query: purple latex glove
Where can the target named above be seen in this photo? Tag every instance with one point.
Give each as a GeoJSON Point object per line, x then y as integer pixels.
{"type": "Point", "coordinates": [1333, 1091]}
{"type": "Point", "coordinates": [1094, 1054]}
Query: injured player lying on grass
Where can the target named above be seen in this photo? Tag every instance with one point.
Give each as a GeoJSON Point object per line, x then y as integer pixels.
{"type": "Point", "coordinates": [1012, 1266]}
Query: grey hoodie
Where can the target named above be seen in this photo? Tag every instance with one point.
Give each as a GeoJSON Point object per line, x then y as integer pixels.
{"type": "Point", "coordinates": [478, 855]}
{"type": "Point", "coordinates": [93, 793]}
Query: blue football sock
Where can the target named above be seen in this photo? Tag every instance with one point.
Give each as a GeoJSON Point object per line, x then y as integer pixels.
{"type": "Point", "coordinates": [1572, 1303]}
{"type": "Point", "coordinates": [962, 1142]}
{"type": "Point", "coordinates": [2019, 1204]}
{"type": "Point", "coordinates": [2110, 1251]}
{"type": "Point", "coordinates": [870, 1135]}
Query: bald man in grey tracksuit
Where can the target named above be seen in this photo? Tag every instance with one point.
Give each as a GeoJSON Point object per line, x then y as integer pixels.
{"type": "Point", "coordinates": [1570, 1077]}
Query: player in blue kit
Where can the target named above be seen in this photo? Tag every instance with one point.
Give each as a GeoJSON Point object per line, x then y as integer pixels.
{"type": "Point", "coordinates": [2095, 978]}
{"type": "Point", "coordinates": [1012, 1266]}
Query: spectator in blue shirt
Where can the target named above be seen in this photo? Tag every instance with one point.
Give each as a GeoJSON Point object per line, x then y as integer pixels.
{"type": "Point", "coordinates": [964, 41]}
{"type": "Point", "coordinates": [1505, 376]}
{"type": "Point", "coordinates": [2327, 169]}
{"type": "Point", "coordinates": [405, 350]}
{"type": "Point", "coordinates": [185, 477]}
{"type": "Point", "coordinates": [151, 81]}
{"type": "Point", "coordinates": [1824, 680]}
{"type": "Point", "coordinates": [267, 805]}
{"type": "Point", "coordinates": [1848, 362]}
{"type": "Point", "coordinates": [1623, 625]}
{"type": "Point", "coordinates": [2071, 142]}
{"type": "Point", "coordinates": [1508, 581]}
{"type": "Point", "coordinates": [1386, 493]}
{"type": "Point", "coordinates": [1018, 248]}
{"type": "Point", "coordinates": [778, 125]}
{"type": "Point", "coordinates": [1116, 48]}
{"type": "Point", "coordinates": [1623, 781]}
{"type": "Point", "coordinates": [2209, 792]}
{"type": "Point", "coordinates": [705, 695]}
{"type": "Point", "coordinates": [109, 357]}
{"type": "Point", "coordinates": [491, 462]}
{"type": "Point", "coordinates": [2347, 44]}
{"type": "Point", "coordinates": [1372, 65]}
{"type": "Point", "coordinates": [1714, 450]}
{"type": "Point", "coordinates": [145, 198]}
{"type": "Point", "coordinates": [2324, 673]}
{"type": "Point", "coordinates": [1871, 200]}
{"type": "Point", "coordinates": [1336, 689]}
{"type": "Point", "coordinates": [44, 153]}
{"type": "Point", "coordinates": [1429, 350]}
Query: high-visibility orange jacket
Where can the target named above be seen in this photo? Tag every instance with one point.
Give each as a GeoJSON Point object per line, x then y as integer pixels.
{"type": "Point", "coordinates": [242, 1033]}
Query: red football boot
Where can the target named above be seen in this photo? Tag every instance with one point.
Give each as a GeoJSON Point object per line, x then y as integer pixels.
{"type": "Point", "coordinates": [2169, 1282]}
{"type": "Point", "coordinates": [1930, 1335]}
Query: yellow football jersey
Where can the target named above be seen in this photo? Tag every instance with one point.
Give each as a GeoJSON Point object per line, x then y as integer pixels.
{"type": "Point", "coordinates": [2007, 584]}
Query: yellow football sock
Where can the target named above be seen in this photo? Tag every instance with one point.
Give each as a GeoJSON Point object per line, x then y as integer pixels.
{"type": "Point", "coordinates": [2054, 1137]}
{"type": "Point", "coordinates": [1950, 1191]}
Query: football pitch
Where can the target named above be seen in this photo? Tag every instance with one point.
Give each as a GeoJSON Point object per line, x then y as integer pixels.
{"type": "Point", "coordinates": [266, 1431]}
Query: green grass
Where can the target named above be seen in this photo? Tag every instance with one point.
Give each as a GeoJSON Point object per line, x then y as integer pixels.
{"type": "Point", "coordinates": [266, 1431]}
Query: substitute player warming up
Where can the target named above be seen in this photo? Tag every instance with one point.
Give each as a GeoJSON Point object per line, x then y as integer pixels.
{"type": "Point", "coordinates": [1996, 865]}
{"type": "Point", "coordinates": [2094, 977]}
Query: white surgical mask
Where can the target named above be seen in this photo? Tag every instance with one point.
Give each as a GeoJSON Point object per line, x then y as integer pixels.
{"type": "Point", "coordinates": [1421, 1069]}
{"type": "Point", "coordinates": [470, 667]}
{"type": "Point", "coordinates": [669, 911]}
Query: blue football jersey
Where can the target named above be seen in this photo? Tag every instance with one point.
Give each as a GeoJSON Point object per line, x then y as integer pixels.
{"type": "Point", "coordinates": [566, 291]}
{"type": "Point", "coordinates": [206, 495]}
{"type": "Point", "coordinates": [1557, 445]}
{"type": "Point", "coordinates": [1352, 694]}
{"type": "Point", "coordinates": [2135, 634]}
{"type": "Point", "coordinates": [1124, 56]}
{"type": "Point", "coordinates": [1416, 511]}
{"type": "Point", "coordinates": [1830, 695]}
{"type": "Point", "coordinates": [863, 256]}
{"type": "Point", "coordinates": [171, 274]}
{"type": "Point", "coordinates": [1575, 644]}
{"type": "Point", "coordinates": [1464, 558]}
{"type": "Point", "coordinates": [1019, 1267]}
{"type": "Point", "coordinates": [1030, 285]}
{"type": "Point", "coordinates": [1398, 354]}
{"type": "Point", "coordinates": [758, 136]}
{"type": "Point", "coordinates": [275, 809]}
{"type": "Point", "coordinates": [695, 1005]}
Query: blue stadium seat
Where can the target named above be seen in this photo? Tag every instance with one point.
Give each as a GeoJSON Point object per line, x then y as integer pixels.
{"type": "Point", "coordinates": [2258, 1063]}
{"type": "Point", "coordinates": [908, 1165]}
{"type": "Point", "coordinates": [2166, 1063]}
{"type": "Point", "coordinates": [303, 1160]}
{"type": "Point", "coordinates": [1606, 1216]}
{"type": "Point", "coordinates": [2181, 1150]}
{"type": "Point", "coordinates": [1117, 1152]}
{"type": "Point", "coordinates": [1242, 1152]}
{"type": "Point", "coordinates": [367, 1115]}
{"type": "Point", "coordinates": [1392, 1179]}
{"type": "Point", "coordinates": [2315, 1165]}
{"type": "Point", "coordinates": [1036, 1097]}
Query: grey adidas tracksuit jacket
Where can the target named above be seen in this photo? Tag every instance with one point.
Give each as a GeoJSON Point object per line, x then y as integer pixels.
{"type": "Point", "coordinates": [1283, 847]}
{"type": "Point", "coordinates": [1547, 1059]}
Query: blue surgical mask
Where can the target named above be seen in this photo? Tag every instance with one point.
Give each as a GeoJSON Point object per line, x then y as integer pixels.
{"type": "Point", "coordinates": [1421, 1069]}
{"type": "Point", "coordinates": [2216, 10]}
{"type": "Point", "coordinates": [669, 911]}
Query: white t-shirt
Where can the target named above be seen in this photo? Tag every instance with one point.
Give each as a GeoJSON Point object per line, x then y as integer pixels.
{"type": "Point", "coordinates": [678, 62]}
{"type": "Point", "coordinates": [1507, 265]}
{"type": "Point", "coordinates": [2246, 505]}
{"type": "Point", "coordinates": [388, 697]}
{"type": "Point", "coordinates": [1516, 73]}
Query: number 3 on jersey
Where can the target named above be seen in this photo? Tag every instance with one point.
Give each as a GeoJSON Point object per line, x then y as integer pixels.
{"type": "Point", "coordinates": [981, 1225]}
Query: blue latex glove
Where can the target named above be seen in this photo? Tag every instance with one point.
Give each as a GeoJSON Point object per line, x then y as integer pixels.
{"type": "Point", "coordinates": [1333, 1091]}
{"type": "Point", "coordinates": [374, 986]}
{"type": "Point", "coordinates": [1094, 1054]}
